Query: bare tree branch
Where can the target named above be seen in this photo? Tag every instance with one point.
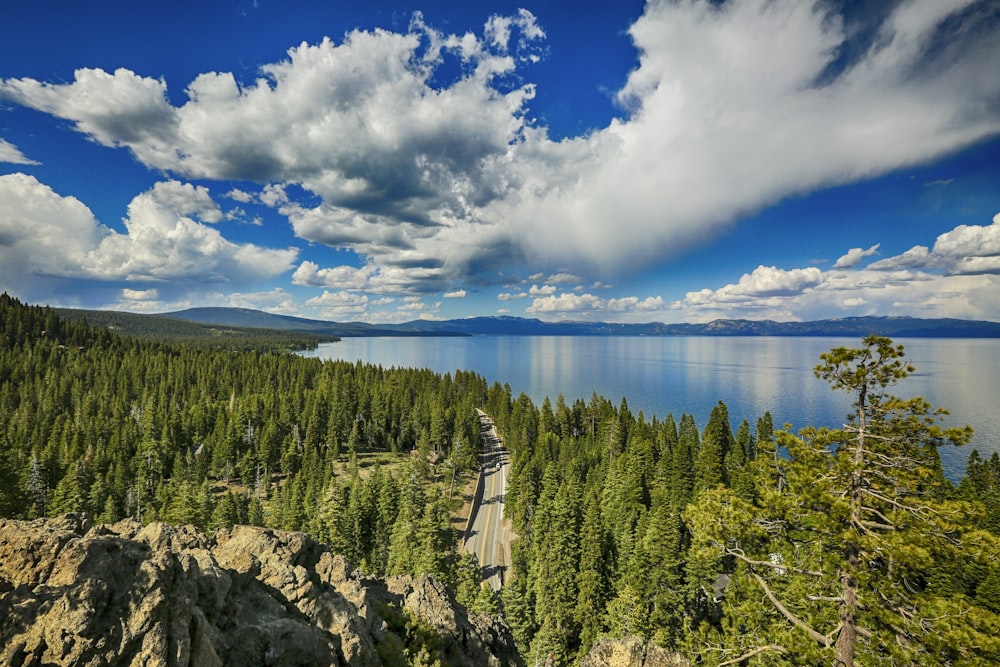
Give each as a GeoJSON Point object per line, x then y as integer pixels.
{"type": "Point", "coordinates": [912, 509]}
{"type": "Point", "coordinates": [756, 651]}
{"type": "Point", "coordinates": [865, 525]}
{"type": "Point", "coordinates": [730, 551]}
{"type": "Point", "coordinates": [823, 640]}
{"type": "Point", "coordinates": [881, 516]}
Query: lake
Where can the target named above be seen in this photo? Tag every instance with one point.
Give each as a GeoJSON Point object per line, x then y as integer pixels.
{"type": "Point", "coordinates": [678, 375]}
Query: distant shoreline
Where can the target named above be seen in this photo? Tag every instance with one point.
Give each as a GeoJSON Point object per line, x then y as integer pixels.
{"type": "Point", "coordinates": [847, 327]}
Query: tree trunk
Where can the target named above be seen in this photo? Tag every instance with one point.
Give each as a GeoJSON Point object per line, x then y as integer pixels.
{"type": "Point", "coordinates": [848, 636]}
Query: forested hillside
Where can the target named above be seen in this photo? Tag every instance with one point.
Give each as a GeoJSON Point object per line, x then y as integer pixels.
{"type": "Point", "coordinates": [197, 334]}
{"type": "Point", "coordinates": [122, 427]}
{"type": "Point", "coordinates": [749, 546]}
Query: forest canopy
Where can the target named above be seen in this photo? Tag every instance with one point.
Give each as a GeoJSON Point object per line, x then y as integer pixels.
{"type": "Point", "coordinates": [731, 546]}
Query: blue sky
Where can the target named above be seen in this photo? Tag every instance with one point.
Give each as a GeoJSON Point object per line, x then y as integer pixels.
{"type": "Point", "coordinates": [621, 161]}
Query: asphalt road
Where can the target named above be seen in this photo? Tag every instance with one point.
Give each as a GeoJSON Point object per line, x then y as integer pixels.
{"type": "Point", "coordinates": [489, 535]}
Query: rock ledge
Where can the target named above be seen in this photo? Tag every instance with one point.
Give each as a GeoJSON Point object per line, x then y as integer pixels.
{"type": "Point", "coordinates": [73, 593]}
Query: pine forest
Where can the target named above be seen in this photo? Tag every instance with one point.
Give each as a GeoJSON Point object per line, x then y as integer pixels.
{"type": "Point", "coordinates": [727, 543]}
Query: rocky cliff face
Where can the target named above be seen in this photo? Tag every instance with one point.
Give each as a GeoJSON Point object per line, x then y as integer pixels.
{"type": "Point", "coordinates": [126, 594]}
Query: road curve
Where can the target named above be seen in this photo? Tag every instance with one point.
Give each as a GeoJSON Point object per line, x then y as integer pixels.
{"type": "Point", "coordinates": [488, 536]}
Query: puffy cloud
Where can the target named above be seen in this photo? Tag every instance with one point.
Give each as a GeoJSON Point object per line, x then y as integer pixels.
{"type": "Point", "coordinates": [799, 294]}
{"type": "Point", "coordinates": [904, 293]}
{"type": "Point", "coordinates": [240, 196]}
{"type": "Point", "coordinates": [960, 277]}
{"type": "Point", "coordinates": [498, 30]}
{"type": "Point", "coordinates": [916, 257]}
{"type": "Point", "coordinates": [414, 305]}
{"type": "Point", "coordinates": [141, 300]}
{"type": "Point", "coordinates": [45, 236]}
{"type": "Point", "coordinates": [369, 278]}
{"type": "Point", "coordinates": [567, 303]}
{"type": "Point", "coordinates": [273, 195]}
{"type": "Point", "coordinates": [275, 300]}
{"type": "Point", "coordinates": [186, 199]}
{"type": "Point", "coordinates": [358, 122]}
{"type": "Point", "coordinates": [343, 228]}
{"type": "Point", "coordinates": [163, 242]}
{"type": "Point", "coordinates": [588, 306]}
{"type": "Point", "coordinates": [10, 153]}
{"type": "Point", "coordinates": [765, 281]}
{"type": "Point", "coordinates": [338, 277]}
{"type": "Point", "coordinates": [457, 294]}
{"type": "Point", "coordinates": [854, 257]}
{"type": "Point", "coordinates": [335, 305]}
{"type": "Point", "coordinates": [544, 290]}
{"type": "Point", "coordinates": [41, 232]}
{"type": "Point", "coordinates": [966, 241]}
{"type": "Point", "coordinates": [977, 265]}
{"type": "Point", "coordinates": [120, 109]}
{"type": "Point", "coordinates": [652, 303]}
{"type": "Point", "coordinates": [731, 108]}
{"type": "Point", "coordinates": [966, 249]}
{"type": "Point", "coordinates": [140, 294]}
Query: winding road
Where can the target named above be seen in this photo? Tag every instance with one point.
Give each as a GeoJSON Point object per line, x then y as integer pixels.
{"type": "Point", "coordinates": [489, 535]}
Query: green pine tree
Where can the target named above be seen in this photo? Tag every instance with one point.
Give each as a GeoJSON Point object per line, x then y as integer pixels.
{"type": "Point", "coordinates": [716, 444]}
{"type": "Point", "coordinates": [836, 563]}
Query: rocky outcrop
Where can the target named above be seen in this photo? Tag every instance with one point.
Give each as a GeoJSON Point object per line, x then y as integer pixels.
{"type": "Point", "coordinates": [126, 594]}
{"type": "Point", "coordinates": [631, 652]}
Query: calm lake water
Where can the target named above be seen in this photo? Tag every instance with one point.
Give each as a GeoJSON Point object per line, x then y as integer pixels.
{"type": "Point", "coordinates": [690, 374]}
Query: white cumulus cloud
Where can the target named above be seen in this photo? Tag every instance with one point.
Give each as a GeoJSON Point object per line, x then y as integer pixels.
{"type": "Point", "coordinates": [767, 281]}
{"type": "Point", "coordinates": [166, 241]}
{"type": "Point", "coordinates": [917, 257]}
{"type": "Point", "coordinates": [970, 241]}
{"type": "Point", "coordinates": [590, 307]}
{"type": "Point", "coordinates": [275, 300]}
{"type": "Point", "coordinates": [338, 277]}
{"type": "Point", "coordinates": [731, 108]}
{"type": "Point", "coordinates": [41, 232]}
{"type": "Point", "coordinates": [140, 294]}
{"type": "Point", "coordinates": [854, 256]}
{"type": "Point", "coordinates": [119, 109]}
{"type": "Point", "coordinates": [966, 249]}
{"type": "Point", "coordinates": [959, 277]}
{"type": "Point", "coordinates": [544, 290]}
{"type": "Point", "coordinates": [567, 303]}
{"type": "Point", "coordinates": [334, 305]}
{"type": "Point", "coordinates": [45, 236]}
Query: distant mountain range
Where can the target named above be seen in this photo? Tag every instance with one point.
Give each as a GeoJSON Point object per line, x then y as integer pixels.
{"type": "Point", "coordinates": [895, 327]}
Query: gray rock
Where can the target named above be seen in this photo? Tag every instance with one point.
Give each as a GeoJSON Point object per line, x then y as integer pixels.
{"type": "Point", "coordinates": [126, 594]}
